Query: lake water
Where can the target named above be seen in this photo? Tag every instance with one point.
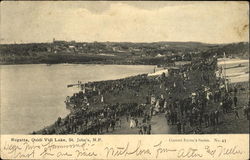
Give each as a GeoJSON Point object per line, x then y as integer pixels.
{"type": "Point", "coordinates": [32, 96]}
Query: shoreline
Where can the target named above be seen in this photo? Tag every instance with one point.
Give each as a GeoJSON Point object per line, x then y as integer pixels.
{"type": "Point", "coordinates": [122, 62]}
{"type": "Point", "coordinates": [101, 64]}
{"type": "Point", "coordinates": [220, 62]}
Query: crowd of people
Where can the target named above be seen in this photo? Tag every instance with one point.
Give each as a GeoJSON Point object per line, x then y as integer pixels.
{"type": "Point", "coordinates": [192, 98]}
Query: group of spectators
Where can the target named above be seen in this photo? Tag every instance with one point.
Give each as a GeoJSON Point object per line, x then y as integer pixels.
{"type": "Point", "coordinates": [188, 97]}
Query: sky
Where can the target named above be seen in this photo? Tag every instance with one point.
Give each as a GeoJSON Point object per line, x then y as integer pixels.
{"type": "Point", "coordinates": [141, 21]}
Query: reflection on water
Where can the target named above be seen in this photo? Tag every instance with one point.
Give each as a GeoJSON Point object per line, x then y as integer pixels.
{"type": "Point", "coordinates": [32, 96]}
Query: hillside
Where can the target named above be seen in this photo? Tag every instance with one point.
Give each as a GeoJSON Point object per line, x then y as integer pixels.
{"type": "Point", "coordinates": [114, 52]}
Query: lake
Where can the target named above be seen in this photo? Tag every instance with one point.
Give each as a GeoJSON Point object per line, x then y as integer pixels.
{"type": "Point", "coordinates": [32, 95]}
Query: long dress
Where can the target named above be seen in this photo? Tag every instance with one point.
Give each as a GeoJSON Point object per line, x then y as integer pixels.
{"type": "Point", "coordinates": [132, 123]}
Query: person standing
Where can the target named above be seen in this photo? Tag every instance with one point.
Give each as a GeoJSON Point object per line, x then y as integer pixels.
{"type": "Point", "coordinates": [184, 127]}
{"type": "Point", "coordinates": [229, 104]}
{"type": "Point", "coordinates": [149, 129]}
{"type": "Point", "coordinates": [216, 114]}
{"type": "Point", "coordinates": [144, 128]}
{"type": "Point", "coordinates": [140, 129]}
{"type": "Point", "coordinates": [211, 117]}
{"type": "Point", "coordinates": [127, 116]}
{"type": "Point", "coordinates": [206, 117]}
{"type": "Point", "coordinates": [120, 123]}
{"type": "Point", "coordinates": [200, 120]}
{"type": "Point", "coordinates": [245, 110]}
{"type": "Point", "coordinates": [107, 124]}
{"type": "Point", "coordinates": [235, 90]}
{"type": "Point", "coordinates": [235, 101]}
{"type": "Point", "coordinates": [236, 113]}
{"type": "Point", "coordinates": [179, 127]}
{"type": "Point", "coordinates": [136, 122]}
{"type": "Point", "coordinates": [113, 124]}
{"type": "Point", "coordinates": [131, 123]}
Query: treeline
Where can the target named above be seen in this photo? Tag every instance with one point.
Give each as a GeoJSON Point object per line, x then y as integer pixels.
{"type": "Point", "coordinates": [235, 50]}
{"type": "Point", "coordinates": [57, 58]}
{"type": "Point", "coordinates": [239, 50]}
{"type": "Point", "coordinates": [30, 49]}
{"type": "Point", "coordinates": [80, 59]}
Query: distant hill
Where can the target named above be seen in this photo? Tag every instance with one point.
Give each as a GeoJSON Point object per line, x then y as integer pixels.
{"type": "Point", "coordinates": [122, 52]}
{"type": "Point", "coordinates": [235, 49]}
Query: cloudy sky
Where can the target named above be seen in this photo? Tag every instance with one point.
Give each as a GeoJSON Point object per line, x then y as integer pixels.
{"type": "Point", "coordinates": [209, 22]}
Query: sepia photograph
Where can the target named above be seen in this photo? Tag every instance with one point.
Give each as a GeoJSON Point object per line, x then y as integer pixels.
{"type": "Point", "coordinates": [124, 67]}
